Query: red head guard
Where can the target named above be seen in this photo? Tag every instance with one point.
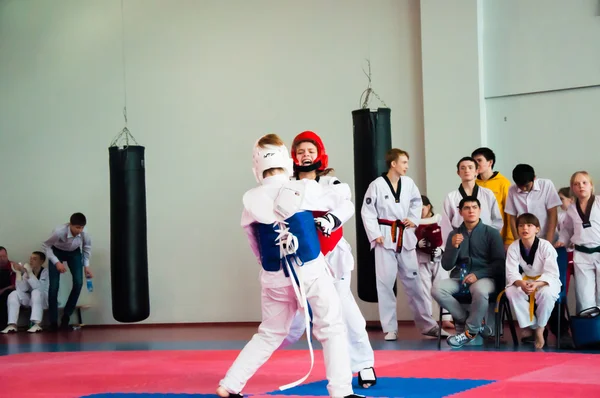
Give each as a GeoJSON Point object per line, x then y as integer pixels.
{"type": "Point", "coordinates": [322, 160]}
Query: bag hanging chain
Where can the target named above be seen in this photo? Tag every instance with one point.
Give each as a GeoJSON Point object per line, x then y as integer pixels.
{"type": "Point", "coordinates": [369, 90]}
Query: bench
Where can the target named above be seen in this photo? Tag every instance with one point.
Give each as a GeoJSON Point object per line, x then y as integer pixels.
{"type": "Point", "coordinates": [77, 313]}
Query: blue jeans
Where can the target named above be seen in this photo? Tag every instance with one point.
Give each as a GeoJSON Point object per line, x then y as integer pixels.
{"type": "Point", "coordinates": [75, 263]}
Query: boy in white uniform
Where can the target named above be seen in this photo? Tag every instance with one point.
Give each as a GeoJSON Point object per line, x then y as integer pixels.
{"type": "Point", "coordinates": [582, 229]}
{"type": "Point", "coordinates": [540, 283]}
{"type": "Point", "coordinates": [466, 168]}
{"type": "Point", "coordinates": [280, 227]}
{"type": "Point", "coordinates": [390, 213]}
{"type": "Point", "coordinates": [311, 162]}
{"type": "Point", "coordinates": [31, 291]}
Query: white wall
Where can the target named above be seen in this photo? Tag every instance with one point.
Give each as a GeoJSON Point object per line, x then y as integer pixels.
{"type": "Point", "coordinates": [452, 90]}
{"type": "Point", "coordinates": [539, 45]}
{"type": "Point", "coordinates": [557, 133]}
{"type": "Point", "coordinates": [204, 80]}
{"type": "Point", "coordinates": [538, 55]}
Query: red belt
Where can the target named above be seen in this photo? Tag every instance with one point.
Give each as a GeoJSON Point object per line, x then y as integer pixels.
{"type": "Point", "coordinates": [397, 231]}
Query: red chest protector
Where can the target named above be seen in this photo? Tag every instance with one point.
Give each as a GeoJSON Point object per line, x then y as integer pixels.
{"type": "Point", "coordinates": [432, 233]}
{"type": "Point", "coordinates": [328, 243]}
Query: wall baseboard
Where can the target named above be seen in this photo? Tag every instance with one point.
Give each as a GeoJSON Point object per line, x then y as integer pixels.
{"type": "Point", "coordinates": [371, 325]}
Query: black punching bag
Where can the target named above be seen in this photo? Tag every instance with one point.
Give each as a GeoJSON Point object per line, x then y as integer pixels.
{"type": "Point", "coordinates": [128, 245]}
{"type": "Point", "coordinates": [372, 139]}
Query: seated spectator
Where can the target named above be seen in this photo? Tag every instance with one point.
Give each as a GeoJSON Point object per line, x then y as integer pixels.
{"type": "Point", "coordinates": [31, 291]}
{"type": "Point", "coordinates": [7, 284]}
{"type": "Point", "coordinates": [539, 284]}
{"type": "Point", "coordinates": [475, 256]}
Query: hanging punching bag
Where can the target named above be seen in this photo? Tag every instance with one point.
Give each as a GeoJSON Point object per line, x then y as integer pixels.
{"type": "Point", "coordinates": [128, 245]}
{"type": "Point", "coordinates": [372, 139]}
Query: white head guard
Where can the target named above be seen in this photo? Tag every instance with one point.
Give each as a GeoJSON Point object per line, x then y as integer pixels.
{"type": "Point", "coordinates": [269, 157]}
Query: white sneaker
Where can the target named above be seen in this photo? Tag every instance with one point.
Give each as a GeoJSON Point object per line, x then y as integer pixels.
{"type": "Point", "coordinates": [35, 328]}
{"type": "Point", "coordinates": [9, 329]}
{"type": "Point", "coordinates": [391, 336]}
{"type": "Point", "coordinates": [434, 331]}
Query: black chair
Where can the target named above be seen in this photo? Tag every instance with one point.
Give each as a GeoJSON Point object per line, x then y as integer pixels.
{"type": "Point", "coordinates": [502, 312]}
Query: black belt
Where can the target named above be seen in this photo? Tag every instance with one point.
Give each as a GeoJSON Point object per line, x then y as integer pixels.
{"type": "Point", "coordinates": [588, 250]}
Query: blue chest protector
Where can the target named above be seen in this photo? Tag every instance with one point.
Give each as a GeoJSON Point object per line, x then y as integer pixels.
{"type": "Point", "coordinates": [302, 226]}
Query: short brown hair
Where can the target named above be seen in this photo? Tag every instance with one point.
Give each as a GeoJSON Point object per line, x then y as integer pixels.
{"type": "Point", "coordinates": [270, 139]}
{"type": "Point", "coordinates": [528, 218]}
{"type": "Point", "coordinates": [566, 192]}
{"type": "Point", "coordinates": [393, 154]}
{"type": "Point", "coordinates": [41, 255]}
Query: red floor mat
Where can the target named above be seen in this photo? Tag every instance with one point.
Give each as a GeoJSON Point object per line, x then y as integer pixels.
{"type": "Point", "coordinates": [410, 373]}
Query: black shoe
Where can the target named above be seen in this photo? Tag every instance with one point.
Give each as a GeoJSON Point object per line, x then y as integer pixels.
{"type": "Point", "coordinates": [354, 396]}
{"type": "Point", "coordinates": [64, 324]}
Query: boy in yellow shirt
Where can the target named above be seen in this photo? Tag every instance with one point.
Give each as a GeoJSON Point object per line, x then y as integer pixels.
{"type": "Point", "coordinates": [497, 183]}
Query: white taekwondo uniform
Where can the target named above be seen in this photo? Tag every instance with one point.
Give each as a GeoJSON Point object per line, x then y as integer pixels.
{"type": "Point", "coordinates": [277, 215]}
{"type": "Point", "coordinates": [582, 228]}
{"type": "Point", "coordinates": [382, 211]}
{"type": "Point", "coordinates": [341, 262]}
{"type": "Point", "coordinates": [30, 291]}
{"type": "Point", "coordinates": [539, 264]}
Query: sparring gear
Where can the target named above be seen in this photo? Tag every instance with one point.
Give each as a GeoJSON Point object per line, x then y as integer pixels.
{"type": "Point", "coordinates": [430, 237]}
{"type": "Point", "coordinates": [328, 242]}
{"type": "Point", "coordinates": [296, 237]}
{"type": "Point", "coordinates": [367, 376]}
{"type": "Point", "coordinates": [281, 296]}
{"type": "Point", "coordinates": [322, 160]}
{"type": "Point", "coordinates": [270, 157]}
{"type": "Point", "coordinates": [327, 223]}
{"type": "Point", "coordinates": [338, 254]}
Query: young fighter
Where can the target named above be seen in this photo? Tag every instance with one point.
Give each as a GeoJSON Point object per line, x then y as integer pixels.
{"type": "Point", "coordinates": [310, 162]}
{"type": "Point", "coordinates": [466, 168]}
{"type": "Point", "coordinates": [429, 255]}
{"type": "Point", "coordinates": [281, 230]}
{"type": "Point", "coordinates": [390, 213]}
{"type": "Point", "coordinates": [495, 182]}
{"type": "Point", "coordinates": [582, 229]}
{"type": "Point", "coordinates": [31, 291]}
{"type": "Point", "coordinates": [540, 283]}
